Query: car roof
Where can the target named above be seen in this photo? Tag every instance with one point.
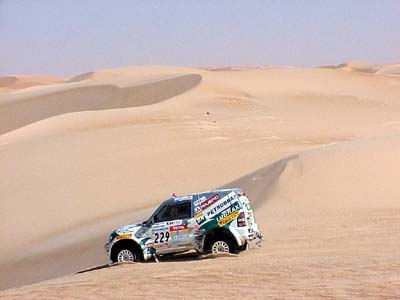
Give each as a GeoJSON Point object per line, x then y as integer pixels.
{"type": "Point", "coordinates": [190, 197]}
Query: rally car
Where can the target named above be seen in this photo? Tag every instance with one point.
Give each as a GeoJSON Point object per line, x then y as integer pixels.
{"type": "Point", "coordinates": [209, 222]}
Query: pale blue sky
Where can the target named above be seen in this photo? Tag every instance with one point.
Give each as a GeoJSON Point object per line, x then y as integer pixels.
{"type": "Point", "coordinates": [74, 36]}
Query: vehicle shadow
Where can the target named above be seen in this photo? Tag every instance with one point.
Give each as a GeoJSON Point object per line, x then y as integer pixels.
{"type": "Point", "coordinates": [189, 256]}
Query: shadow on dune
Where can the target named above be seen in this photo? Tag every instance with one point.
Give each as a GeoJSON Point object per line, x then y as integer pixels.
{"type": "Point", "coordinates": [259, 184]}
{"type": "Point", "coordinates": [189, 256]}
{"type": "Point", "coordinates": [22, 109]}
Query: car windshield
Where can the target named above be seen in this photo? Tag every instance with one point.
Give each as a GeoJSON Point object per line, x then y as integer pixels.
{"type": "Point", "coordinates": [171, 210]}
{"type": "Point", "coordinates": [149, 220]}
{"type": "Point", "coordinates": [176, 211]}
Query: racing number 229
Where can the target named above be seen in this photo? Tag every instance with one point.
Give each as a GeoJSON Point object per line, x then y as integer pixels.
{"type": "Point", "coordinates": [160, 237]}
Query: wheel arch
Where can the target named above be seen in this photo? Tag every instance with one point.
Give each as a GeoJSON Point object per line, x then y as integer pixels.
{"type": "Point", "coordinates": [125, 244]}
{"type": "Point", "coordinates": [219, 232]}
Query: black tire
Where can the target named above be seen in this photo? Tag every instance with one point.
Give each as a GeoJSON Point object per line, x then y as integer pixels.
{"type": "Point", "coordinates": [242, 248]}
{"type": "Point", "coordinates": [126, 254]}
{"type": "Point", "coordinates": [222, 244]}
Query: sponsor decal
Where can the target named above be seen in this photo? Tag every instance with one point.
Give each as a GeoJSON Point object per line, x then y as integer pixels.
{"type": "Point", "coordinates": [124, 236]}
{"type": "Point", "coordinates": [197, 209]}
{"type": "Point", "coordinates": [200, 218]}
{"type": "Point", "coordinates": [209, 201]}
{"type": "Point", "coordinates": [198, 201]}
{"type": "Point", "coordinates": [229, 214]}
{"type": "Point", "coordinates": [221, 205]}
{"type": "Point", "coordinates": [127, 229]}
{"type": "Point", "coordinates": [178, 227]}
{"type": "Point", "coordinates": [228, 218]}
{"type": "Point", "coordinates": [182, 240]}
{"type": "Point", "coordinates": [160, 228]}
{"type": "Point", "coordinates": [182, 237]}
{"type": "Point", "coordinates": [161, 245]}
{"type": "Point", "coordinates": [179, 230]}
{"type": "Point", "coordinates": [175, 222]}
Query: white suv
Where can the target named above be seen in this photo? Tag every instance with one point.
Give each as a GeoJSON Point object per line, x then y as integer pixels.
{"type": "Point", "coordinates": [208, 222]}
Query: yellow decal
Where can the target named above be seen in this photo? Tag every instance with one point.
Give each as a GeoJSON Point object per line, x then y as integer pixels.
{"type": "Point", "coordinates": [228, 218]}
{"type": "Point", "coordinates": [198, 216]}
{"type": "Point", "coordinates": [124, 236]}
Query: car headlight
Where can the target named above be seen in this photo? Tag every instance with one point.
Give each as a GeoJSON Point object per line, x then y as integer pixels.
{"type": "Point", "coordinates": [112, 236]}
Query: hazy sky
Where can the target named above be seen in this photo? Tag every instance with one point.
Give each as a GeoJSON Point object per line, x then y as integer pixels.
{"type": "Point", "coordinates": [74, 36]}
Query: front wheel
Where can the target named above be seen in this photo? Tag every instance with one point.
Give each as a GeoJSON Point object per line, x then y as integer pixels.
{"type": "Point", "coordinates": [127, 255]}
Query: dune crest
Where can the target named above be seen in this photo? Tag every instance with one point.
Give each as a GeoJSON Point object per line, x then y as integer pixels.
{"type": "Point", "coordinates": [19, 110]}
{"type": "Point", "coordinates": [134, 74]}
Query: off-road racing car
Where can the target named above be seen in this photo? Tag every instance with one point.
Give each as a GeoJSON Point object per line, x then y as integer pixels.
{"type": "Point", "coordinates": [209, 222]}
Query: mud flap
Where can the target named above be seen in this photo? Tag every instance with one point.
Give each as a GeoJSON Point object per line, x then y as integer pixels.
{"type": "Point", "coordinates": [256, 243]}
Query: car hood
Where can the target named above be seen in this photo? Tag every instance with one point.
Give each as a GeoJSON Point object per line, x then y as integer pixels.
{"type": "Point", "coordinates": [132, 228]}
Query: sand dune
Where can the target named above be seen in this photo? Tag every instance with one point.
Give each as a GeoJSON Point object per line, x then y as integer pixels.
{"type": "Point", "coordinates": [25, 108]}
{"type": "Point", "coordinates": [14, 83]}
{"type": "Point", "coordinates": [393, 69]}
{"type": "Point", "coordinates": [389, 69]}
{"type": "Point", "coordinates": [133, 74]}
{"type": "Point", "coordinates": [328, 212]}
{"type": "Point", "coordinates": [317, 210]}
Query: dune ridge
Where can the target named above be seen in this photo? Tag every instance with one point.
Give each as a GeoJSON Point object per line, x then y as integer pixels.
{"type": "Point", "coordinates": [23, 109]}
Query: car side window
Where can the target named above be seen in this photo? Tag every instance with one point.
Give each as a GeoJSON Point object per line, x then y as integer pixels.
{"type": "Point", "coordinates": [179, 211]}
{"type": "Point", "coordinates": [183, 210]}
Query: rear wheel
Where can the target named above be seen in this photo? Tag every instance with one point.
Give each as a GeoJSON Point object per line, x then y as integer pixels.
{"type": "Point", "coordinates": [222, 245]}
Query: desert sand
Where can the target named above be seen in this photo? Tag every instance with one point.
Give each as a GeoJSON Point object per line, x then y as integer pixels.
{"type": "Point", "coordinates": [316, 149]}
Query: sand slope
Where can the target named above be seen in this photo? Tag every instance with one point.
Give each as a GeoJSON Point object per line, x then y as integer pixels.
{"type": "Point", "coordinates": [323, 220]}
{"type": "Point", "coordinates": [81, 174]}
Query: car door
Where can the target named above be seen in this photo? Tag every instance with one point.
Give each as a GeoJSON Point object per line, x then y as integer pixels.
{"type": "Point", "coordinates": [172, 230]}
